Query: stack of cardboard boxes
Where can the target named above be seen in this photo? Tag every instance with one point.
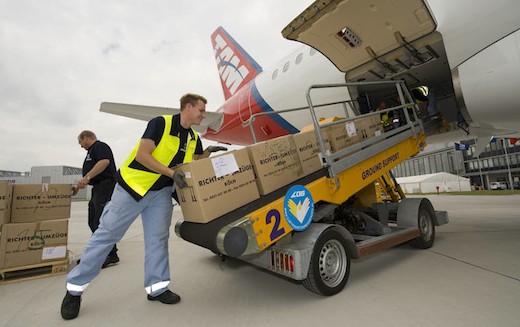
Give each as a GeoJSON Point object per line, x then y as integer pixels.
{"type": "Point", "coordinates": [220, 184]}
{"type": "Point", "coordinates": [6, 195]}
{"type": "Point", "coordinates": [33, 223]}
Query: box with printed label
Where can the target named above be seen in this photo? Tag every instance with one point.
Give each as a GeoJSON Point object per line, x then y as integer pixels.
{"type": "Point", "coordinates": [324, 132]}
{"type": "Point", "coordinates": [6, 193]}
{"type": "Point", "coordinates": [341, 135]}
{"type": "Point", "coordinates": [35, 202]}
{"type": "Point", "coordinates": [276, 163]}
{"type": "Point", "coordinates": [336, 137]}
{"type": "Point", "coordinates": [216, 186]}
{"type": "Point", "coordinates": [368, 127]}
{"type": "Point", "coordinates": [308, 151]}
{"type": "Point", "coordinates": [24, 244]}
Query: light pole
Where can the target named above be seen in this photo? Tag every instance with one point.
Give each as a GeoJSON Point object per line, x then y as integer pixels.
{"type": "Point", "coordinates": [480, 171]}
{"type": "Point", "coordinates": [508, 165]}
{"type": "Point", "coordinates": [458, 170]}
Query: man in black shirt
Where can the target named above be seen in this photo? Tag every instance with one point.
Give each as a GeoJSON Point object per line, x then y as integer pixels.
{"type": "Point", "coordinates": [144, 188]}
{"type": "Point", "coordinates": [99, 169]}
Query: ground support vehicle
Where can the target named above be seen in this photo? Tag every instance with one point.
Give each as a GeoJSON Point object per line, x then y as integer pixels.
{"type": "Point", "coordinates": [349, 217]}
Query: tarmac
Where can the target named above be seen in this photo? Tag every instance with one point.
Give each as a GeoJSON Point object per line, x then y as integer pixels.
{"type": "Point", "coordinates": [470, 277]}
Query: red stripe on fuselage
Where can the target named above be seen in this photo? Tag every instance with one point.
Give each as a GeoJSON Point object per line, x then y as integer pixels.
{"type": "Point", "coordinates": [237, 110]}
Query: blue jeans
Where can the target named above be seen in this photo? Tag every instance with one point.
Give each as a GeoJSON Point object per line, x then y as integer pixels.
{"type": "Point", "coordinates": [156, 214]}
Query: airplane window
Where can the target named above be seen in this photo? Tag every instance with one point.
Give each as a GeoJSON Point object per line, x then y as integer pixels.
{"type": "Point", "coordinates": [274, 74]}
{"type": "Point", "coordinates": [285, 67]}
{"type": "Point", "coordinates": [312, 52]}
{"type": "Point", "coordinates": [299, 58]}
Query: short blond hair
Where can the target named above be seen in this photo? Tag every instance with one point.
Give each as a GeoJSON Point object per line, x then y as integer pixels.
{"type": "Point", "coordinates": [192, 99]}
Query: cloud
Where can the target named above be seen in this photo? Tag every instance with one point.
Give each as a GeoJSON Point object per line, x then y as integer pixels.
{"type": "Point", "coordinates": [59, 60]}
{"type": "Point", "coordinates": [112, 47]}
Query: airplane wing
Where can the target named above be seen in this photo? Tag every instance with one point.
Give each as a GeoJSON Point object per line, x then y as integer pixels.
{"type": "Point", "coordinates": [213, 120]}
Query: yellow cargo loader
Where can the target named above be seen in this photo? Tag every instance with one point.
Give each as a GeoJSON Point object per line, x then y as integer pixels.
{"type": "Point", "coordinates": [311, 229]}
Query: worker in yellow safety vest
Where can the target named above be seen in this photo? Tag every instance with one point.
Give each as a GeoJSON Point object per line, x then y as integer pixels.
{"type": "Point", "coordinates": [144, 187]}
{"type": "Point", "coordinates": [386, 117]}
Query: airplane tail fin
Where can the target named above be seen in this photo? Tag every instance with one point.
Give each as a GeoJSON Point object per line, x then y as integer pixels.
{"type": "Point", "coordinates": [235, 66]}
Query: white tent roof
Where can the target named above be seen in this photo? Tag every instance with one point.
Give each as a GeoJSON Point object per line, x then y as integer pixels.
{"type": "Point", "coordinates": [437, 177]}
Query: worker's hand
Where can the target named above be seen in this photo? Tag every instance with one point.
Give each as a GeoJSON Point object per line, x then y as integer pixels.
{"type": "Point", "coordinates": [215, 148]}
{"type": "Point", "coordinates": [178, 178]}
{"type": "Point", "coordinates": [82, 183]}
{"type": "Point", "coordinates": [74, 190]}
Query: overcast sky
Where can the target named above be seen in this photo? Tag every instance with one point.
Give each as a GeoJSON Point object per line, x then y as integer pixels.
{"type": "Point", "coordinates": [60, 59]}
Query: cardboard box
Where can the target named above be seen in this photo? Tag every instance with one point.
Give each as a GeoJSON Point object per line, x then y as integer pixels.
{"type": "Point", "coordinates": [368, 127]}
{"type": "Point", "coordinates": [338, 136]}
{"type": "Point", "coordinates": [36, 202]}
{"type": "Point", "coordinates": [216, 186]}
{"type": "Point", "coordinates": [6, 195]}
{"type": "Point", "coordinates": [323, 121]}
{"type": "Point", "coordinates": [276, 163]}
{"type": "Point", "coordinates": [24, 244]}
{"type": "Point", "coordinates": [308, 151]}
{"type": "Point", "coordinates": [341, 135]}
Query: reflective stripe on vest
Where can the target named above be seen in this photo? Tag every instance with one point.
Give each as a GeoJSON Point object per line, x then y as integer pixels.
{"type": "Point", "coordinates": [140, 180]}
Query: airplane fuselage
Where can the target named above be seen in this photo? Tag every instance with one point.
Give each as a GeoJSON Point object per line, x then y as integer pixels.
{"type": "Point", "coordinates": [481, 42]}
{"type": "Point", "coordinates": [279, 88]}
{"type": "Point", "coordinates": [467, 52]}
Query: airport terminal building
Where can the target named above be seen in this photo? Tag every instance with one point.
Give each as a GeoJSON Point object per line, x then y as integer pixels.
{"type": "Point", "coordinates": [499, 162]}
{"type": "Point", "coordinates": [47, 174]}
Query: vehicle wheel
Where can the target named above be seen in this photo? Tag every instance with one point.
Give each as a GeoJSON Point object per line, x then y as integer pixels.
{"type": "Point", "coordinates": [329, 268]}
{"type": "Point", "coordinates": [426, 226]}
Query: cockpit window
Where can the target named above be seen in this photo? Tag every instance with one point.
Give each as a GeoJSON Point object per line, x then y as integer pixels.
{"type": "Point", "coordinates": [274, 74]}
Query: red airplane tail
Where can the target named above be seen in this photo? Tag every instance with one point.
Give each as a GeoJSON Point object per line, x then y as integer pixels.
{"type": "Point", "coordinates": [235, 66]}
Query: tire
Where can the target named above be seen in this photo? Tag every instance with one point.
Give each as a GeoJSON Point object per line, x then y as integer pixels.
{"type": "Point", "coordinates": [329, 268]}
{"type": "Point", "coordinates": [425, 219]}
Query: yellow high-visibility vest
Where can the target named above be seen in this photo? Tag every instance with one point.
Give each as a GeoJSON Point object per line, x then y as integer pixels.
{"type": "Point", "coordinates": [141, 180]}
{"type": "Point", "coordinates": [385, 120]}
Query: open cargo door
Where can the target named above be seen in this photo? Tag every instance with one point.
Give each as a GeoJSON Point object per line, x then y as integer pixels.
{"type": "Point", "coordinates": [379, 40]}
{"type": "Point", "coordinates": [352, 33]}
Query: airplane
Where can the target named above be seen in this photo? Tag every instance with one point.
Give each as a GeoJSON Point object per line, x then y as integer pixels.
{"type": "Point", "coordinates": [460, 57]}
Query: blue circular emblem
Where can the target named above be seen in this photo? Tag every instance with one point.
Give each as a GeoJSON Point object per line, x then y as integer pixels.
{"type": "Point", "coordinates": [298, 207]}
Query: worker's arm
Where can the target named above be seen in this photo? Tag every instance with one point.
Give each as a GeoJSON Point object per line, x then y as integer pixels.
{"type": "Point", "coordinates": [145, 158]}
{"type": "Point", "coordinates": [96, 170]}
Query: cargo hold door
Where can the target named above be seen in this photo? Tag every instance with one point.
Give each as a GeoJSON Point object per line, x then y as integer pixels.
{"type": "Point", "coordinates": [385, 38]}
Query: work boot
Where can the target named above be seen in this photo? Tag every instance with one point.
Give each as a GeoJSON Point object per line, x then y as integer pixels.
{"type": "Point", "coordinates": [70, 306]}
{"type": "Point", "coordinates": [110, 260]}
{"type": "Point", "coordinates": [168, 297]}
